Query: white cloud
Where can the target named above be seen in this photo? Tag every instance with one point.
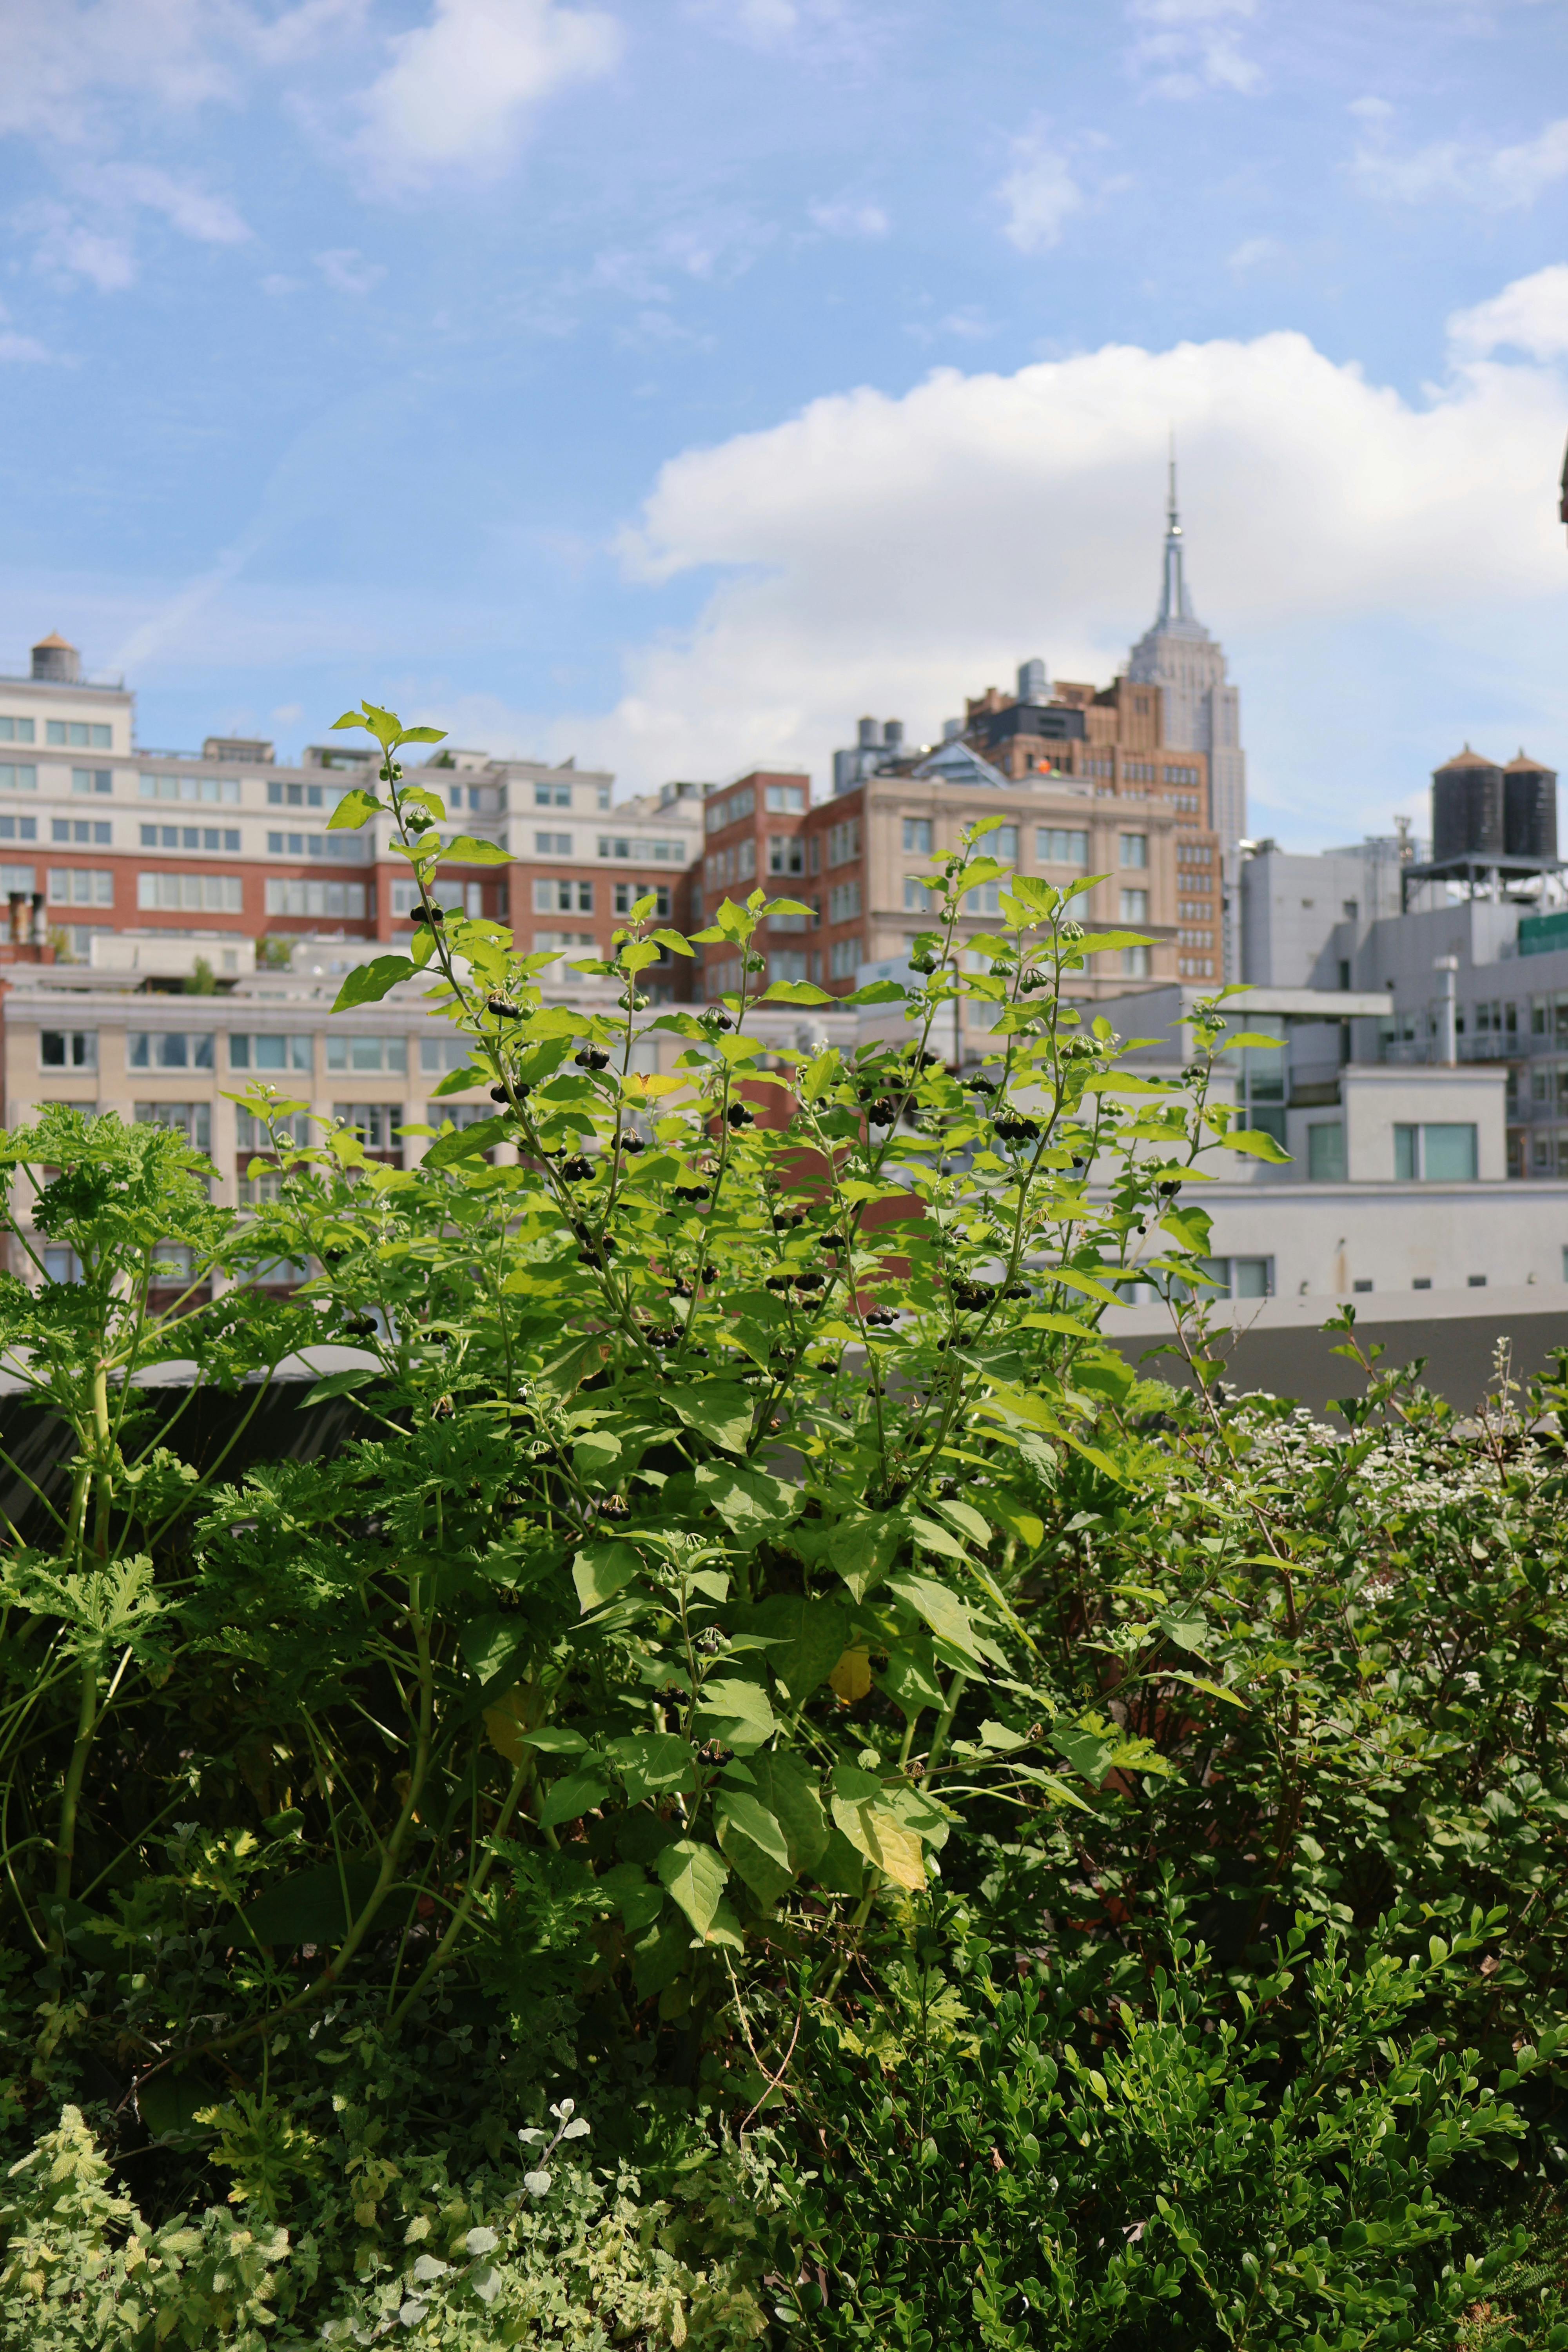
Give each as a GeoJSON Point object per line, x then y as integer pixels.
{"type": "Point", "coordinates": [1254, 253]}
{"type": "Point", "coordinates": [1190, 46]}
{"type": "Point", "coordinates": [895, 553]}
{"type": "Point", "coordinates": [19, 348]}
{"type": "Point", "coordinates": [851, 216]}
{"type": "Point", "coordinates": [1039, 195]}
{"type": "Point", "coordinates": [65, 61]}
{"type": "Point", "coordinates": [1493, 178]}
{"type": "Point", "coordinates": [195, 211]}
{"type": "Point", "coordinates": [459, 90]}
{"type": "Point", "coordinates": [817, 30]}
{"type": "Point", "coordinates": [1531, 315]}
{"type": "Point", "coordinates": [68, 247]}
{"type": "Point", "coordinates": [345, 268]}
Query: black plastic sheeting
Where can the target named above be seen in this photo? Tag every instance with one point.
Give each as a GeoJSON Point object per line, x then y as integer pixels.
{"type": "Point", "coordinates": [38, 1446]}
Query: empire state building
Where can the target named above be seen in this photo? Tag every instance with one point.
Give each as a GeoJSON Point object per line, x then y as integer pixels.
{"type": "Point", "coordinates": [1202, 713]}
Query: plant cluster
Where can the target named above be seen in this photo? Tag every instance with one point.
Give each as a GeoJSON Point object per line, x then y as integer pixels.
{"type": "Point", "coordinates": [996, 1848]}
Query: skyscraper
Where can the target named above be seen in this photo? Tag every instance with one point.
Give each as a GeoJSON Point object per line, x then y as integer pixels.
{"type": "Point", "coordinates": [1203, 713]}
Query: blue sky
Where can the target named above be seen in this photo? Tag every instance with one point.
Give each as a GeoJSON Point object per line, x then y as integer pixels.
{"type": "Point", "coordinates": [669, 381]}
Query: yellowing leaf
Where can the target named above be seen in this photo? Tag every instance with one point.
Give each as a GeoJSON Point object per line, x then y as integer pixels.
{"type": "Point", "coordinates": [851, 1677]}
{"type": "Point", "coordinates": [503, 1724]}
{"type": "Point", "coordinates": [872, 1831]}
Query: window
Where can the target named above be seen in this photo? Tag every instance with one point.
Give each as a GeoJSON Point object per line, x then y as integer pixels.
{"type": "Point", "coordinates": [844, 842]}
{"type": "Point", "coordinates": [343, 849]}
{"type": "Point", "coordinates": [1135, 964]}
{"type": "Point", "coordinates": [657, 851]}
{"type": "Point", "coordinates": [918, 900]}
{"type": "Point", "coordinates": [785, 800]}
{"type": "Point", "coordinates": [628, 893]}
{"type": "Point", "coordinates": [1326, 1152]}
{"type": "Point", "coordinates": [795, 922]}
{"type": "Point", "coordinates": [788, 963]}
{"type": "Point", "coordinates": [1181, 775]}
{"type": "Point", "coordinates": [844, 958]}
{"type": "Point", "coordinates": [1194, 853]}
{"type": "Point", "coordinates": [558, 942]}
{"type": "Point", "coordinates": [278, 795]}
{"type": "Point", "coordinates": [14, 778]}
{"type": "Point", "coordinates": [22, 828]}
{"type": "Point", "coordinates": [1135, 910]}
{"type": "Point", "coordinates": [253, 1050]}
{"type": "Point", "coordinates": [18, 880]}
{"type": "Point", "coordinates": [201, 788]}
{"type": "Point", "coordinates": [746, 861]}
{"type": "Point", "coordinates": [251, 1134]}
{"type": "Point", "coordinates": [1441, 1152]}
{"type": "Point", "coordinates": [193, 1120]}
{"type": "Point", "coordinates": [917, 836]}
{"type": "Point", "coordinates": [562, 898]}
{"type": "Point", "coordinates": [83, 831]}
{"type": "Point", "coordinates": [1195, 967]}
{"type": "Point", "coordinates": [203, 894]}
{"type": "Point", "coordinates": [168, 1049]}
{"type": "Point", "coordinates": [1193, 939]}
{"type": "Point", "coordinates": [80, 885]}
{"type": "Point", "coordinates": [553, 844]}
{"type": "Point", "coordinates": [844, 902]}
{"type": "Point", "coordinates": [372, 1122]}
{"type": "Point", "coordinates": [61, 1265]}
{"type": "Point", "coordinates": [389, 1054]}
{"type": "Point", "coordinates": [786, 853]}
{"type": "Point", "coordinates": [553, 796]}
{"type": "Point", "coordinates": [1135, 849]}
{"type": "Point", "coordinates": [199, 837]}
{"type": "Point", "coordinates": [340, 899]}
{"type": "Point", "coordinates": [16, 730]}
{"type": "Point", "coordinates": [1057, 846]}
{"type": "Point", "coordinates": [67, 1049]}
{"type": "Point", "coordinates": [1239, 1278]}
{"type": "Point", "coordinates": [720, 812]}
{"type": "Point", "coordinates": [986, 899]}
{"type": "Point", "coordinates": [1001, 844]}
{"type": "Point", "coordinates": [81, 735]}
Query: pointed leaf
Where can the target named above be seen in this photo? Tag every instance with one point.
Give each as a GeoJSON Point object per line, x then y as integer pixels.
{"type": "Point", "coordinates": [693, 1877]}
{"type": "Point", "coordinates": [369, 982]}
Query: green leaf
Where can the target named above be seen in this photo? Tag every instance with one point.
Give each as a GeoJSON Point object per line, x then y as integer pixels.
{"type": "Point", "coordinates": [791, 1795]}
{"type": "Point", "coordinates": [1084, 1750]}
{"type": "Point", "coordinates": [1185, 1625]}
{"type": "Point", "coordinates": [1255, 1142]}
{"type": "Point", "coordinates": [337, 1384]}
{"type": "Point", "coordinates": [600, 1571]}
{"type": "Point", "coordinates": [737, 1713]}
{"type": "Point", "coordinates": [720, 1411]}
{"type": "Point", "coordinates": [876, 992]}
{"type": "Point", "coordinates": [909, 1677]}
{"type": "Point", "coordinates": [674, 941]}
{"type": "Point", "coordinates": [309, 1906]}
{"type": "Point", "coordinates": [796, 991]}
{"type": "Point", "coordinates": [467, 851]}
{"type": "Point", "coordinates": [490, 1643]}
{"type": "Point", "coordinates": [734, 1807]}
{"type": "Point", "coordinates": [748, 1501]}
{"type": "Point", "coordinates": [638, 1901]}
{"type": "Point", "coordinates": [863, 1549]}
{"type": "Point", "coordinates": [467, 1142]}
{"type": "Point", "coordinates": [461, 1082]}
{"type": "Point", "coordinates": [574, 1794]}
{"type": "Point", "coordinates": [693, 1876]}
{"type": "Point", "coordinates": [369, 982]}
{"type": "Point", "coordinates": [354, 809]}
{"type": "Point", "coordinates": [967, 1520]}
{"type": "Point", "coordinates": [652, 1762]}
{"type": "Point", "coordinates": [942, 1611]}
{"type": "Point", "coordinates": [805, 1639]}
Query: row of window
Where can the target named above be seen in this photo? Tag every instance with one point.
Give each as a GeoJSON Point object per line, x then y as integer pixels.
{"type": "Point", "coordinates": [343, 848]}
{"type": "Point", "coordinates": [1435, 1153]}
{"type": "Point", "coordinates": [622, 848]}
{"type": "Point", "coordinates": [552, 896]}
{"type": "Point", "coordinates": [86, 735]}
{"type": "Point", "coordinates": [259, 1050]}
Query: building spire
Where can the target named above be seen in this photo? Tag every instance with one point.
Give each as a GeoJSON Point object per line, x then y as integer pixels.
{"type": "Point", "coordinates": [1173, 604]}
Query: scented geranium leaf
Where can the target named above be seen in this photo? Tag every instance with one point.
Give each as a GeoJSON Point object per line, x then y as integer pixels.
{"type": "Point", "coordinates": [693, 1876]}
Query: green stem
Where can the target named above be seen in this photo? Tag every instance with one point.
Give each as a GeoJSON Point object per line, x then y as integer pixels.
{"type": "Point", "coordinates": [70, 1796]}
